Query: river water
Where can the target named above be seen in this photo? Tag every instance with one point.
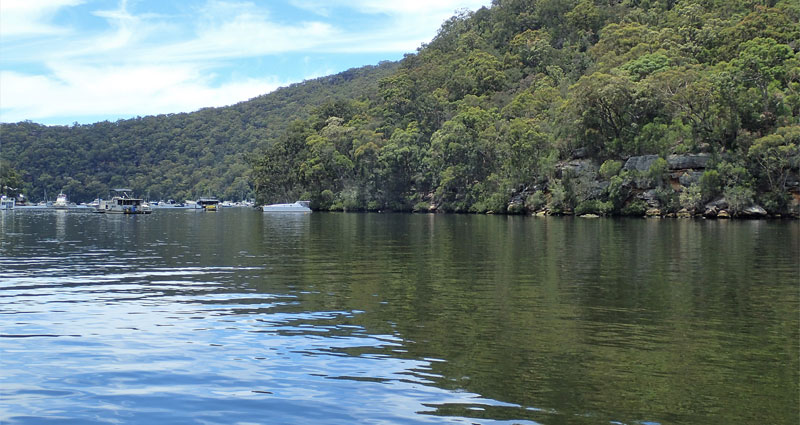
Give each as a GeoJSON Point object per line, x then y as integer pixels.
{"type": "Point", "coordinates": [239, 317]}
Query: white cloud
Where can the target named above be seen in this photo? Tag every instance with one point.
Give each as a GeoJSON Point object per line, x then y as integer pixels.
{"type": "Point", "coordinates": [124, 91]}
{"type": "Point", "coordinates": [29, 18]}
{"type": "Point", "coordinates": [418, 8]}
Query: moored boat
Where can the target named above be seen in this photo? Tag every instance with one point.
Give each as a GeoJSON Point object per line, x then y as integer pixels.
{"type": "Point", "coordinates": [296, 207]}
{"type": "Point", "coordinates": [61, 202]}
{"type": "Point", "coordinates": [122, 202]}
{"type": "Point", "coordinates": [208, 204]}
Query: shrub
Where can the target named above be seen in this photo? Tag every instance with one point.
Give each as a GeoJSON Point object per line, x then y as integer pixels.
{"type": "Point", "coordinates": [775, 201]}
{"type": "Point", "coordinates": [421, 206]}
{"type": "Point", "coordinates": [610, 168]}
{"type": "Point", "coordinates": [691, 198]}
{"type": "Point", "coordinates": [658, 173]}
{"type": "Point", "coordinates": [668, 199]}
{"type": "Point", "coordinates": [619, 190]}
{"type": "Point", "coordinates": [635, 208]}
{"type": "Point", "coordinates": [558, 198]}
{"type": "Point", "coordinates": [594, 206]}
{"type": "Point", "coordinates": [710, 184]}
{"type": "Point", "coordinates": [739, 198]}
{"type": "Point", "coordinates": [535, 201]}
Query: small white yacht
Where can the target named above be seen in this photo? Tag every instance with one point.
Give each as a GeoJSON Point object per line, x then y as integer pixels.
{"type": "Point", "coordinates": [123, 203]}
{"type": "Point", "coordinates": [61, 202]}
{"type": "Point", "coordinates": [296, 207]}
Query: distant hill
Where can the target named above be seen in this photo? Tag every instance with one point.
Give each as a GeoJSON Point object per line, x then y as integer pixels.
{"type": "Point", "coordinates": [627, 107]}
{"type": "Point", "coordinates": [179, 156]}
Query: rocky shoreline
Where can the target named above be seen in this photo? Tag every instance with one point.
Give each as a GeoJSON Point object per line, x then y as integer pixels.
{"type": "Point", "coordinates": [646, 186]}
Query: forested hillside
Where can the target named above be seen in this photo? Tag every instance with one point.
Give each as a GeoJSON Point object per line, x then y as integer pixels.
{"type": "Point", "coordinates": [180, 156]}
{"type": "Point", "coordinates": [563, 106]}
{"type": "Point", "coordinates": [567, 106]}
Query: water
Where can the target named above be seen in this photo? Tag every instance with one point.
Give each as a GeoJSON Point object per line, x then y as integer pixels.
{"type": "Point", "coordinates": [241, 317]}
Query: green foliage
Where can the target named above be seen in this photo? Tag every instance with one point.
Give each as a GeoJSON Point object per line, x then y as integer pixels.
{"type": "Point", "coordinates": [536, 201]}
{"type": "Point", "coordinates": [619, 190]}
{"type": "Point", "coordinates": [635, 208]}
{"type": "Point", "coordinates": [559, 198]}
{"type": "Point", "coordinates": [738, 198]}
{"type": "Point", "coordinates": [594, 206]}
{"type": "Point", "coordinates": [773, 156]}
{"type": "Point", "coordinates": [610, 168]}
{"type": "Point", "coordinates": [645, 65]}
{"type": "Point", "coordinates": [658, 173]}
{"type": "Point", "coordinates": [691, 198]}
{"type": "Point", "coordinates": [10, 180]}
{"type": "Point", "coordinates": [710, 184]}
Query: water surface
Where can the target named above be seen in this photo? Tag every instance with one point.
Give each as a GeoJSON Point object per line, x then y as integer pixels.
{"type": "Point", "coordinates": [243, 317]}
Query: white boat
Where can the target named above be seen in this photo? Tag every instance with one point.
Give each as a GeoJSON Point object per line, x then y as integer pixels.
{"type": "Point", "coordinates": [7, 203]}
{"type": "Point", "coordinates": [61, 202]}
{"type": "Point", "coordinates": [296, 207]}
{"type": "Point", "coordinates": [123, 203]}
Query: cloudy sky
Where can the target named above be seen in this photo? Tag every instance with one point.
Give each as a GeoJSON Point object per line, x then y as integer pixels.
{"type": "Point", "coordinates": [65, 61]}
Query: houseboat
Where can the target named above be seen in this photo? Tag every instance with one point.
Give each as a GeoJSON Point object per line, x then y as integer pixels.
{"type": "Point", "coordinates": [122, 202]}
{"type": "Point", "coordinates": [208, 204]}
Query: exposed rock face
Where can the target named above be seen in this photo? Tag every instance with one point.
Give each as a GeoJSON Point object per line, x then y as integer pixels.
{"type": "Point", "coordinates": [692, 161]}
{"type": "Point", "coordinates": [640, 163]}
{"type": "Point", "coordinates": [576, 167]}
{"type": "Point", "coordinates": [710, 212]}
{"type": "Point", "coordinates": [723, 214]}
{"type": "Point", "coordinates": [684, 213]}
{"type": "Point", "coordinates": [687, 178]}
{"type": "Point", "coordinates": [650, 197]}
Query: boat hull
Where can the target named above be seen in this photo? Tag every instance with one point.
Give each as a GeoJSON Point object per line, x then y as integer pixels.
{"type": "Point", "coordinates": [297, 207]}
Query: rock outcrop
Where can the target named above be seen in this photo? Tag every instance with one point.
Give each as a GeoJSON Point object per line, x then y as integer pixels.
{"type": "Point", "coordinates": [690, 161]}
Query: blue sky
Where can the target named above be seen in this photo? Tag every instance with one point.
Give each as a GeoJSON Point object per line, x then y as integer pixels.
{"type": "Point", "coordinates": [65, 61]}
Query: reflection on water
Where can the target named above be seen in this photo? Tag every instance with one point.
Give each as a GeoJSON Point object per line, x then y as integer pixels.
{"type": "Point", "coordinates": [244, 317]}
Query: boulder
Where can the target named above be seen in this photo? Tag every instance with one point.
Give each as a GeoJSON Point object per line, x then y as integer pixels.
{"type": "Point", "coordinates": [589, 216]}
{"type": "Point", "coordinates": [640, 163]}
{"type": "Point", "coordinates": [723, 214]}
{"type": "Point", "coordinates": [719, 204]}
{"type": "Point", "coordinates": [754, 211]}
{"type": "Point", "coordinates": [684, 213]}
{"type": "Point", "coordinates": [653, 212]}
{"type": "Point", "coordinates": [683, 162]}
{"type": "Point", "coordinates": [710, 212]}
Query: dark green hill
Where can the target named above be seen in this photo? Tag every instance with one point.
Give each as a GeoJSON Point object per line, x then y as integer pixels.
{"type": "Point", "coordinates": [180, 156]}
